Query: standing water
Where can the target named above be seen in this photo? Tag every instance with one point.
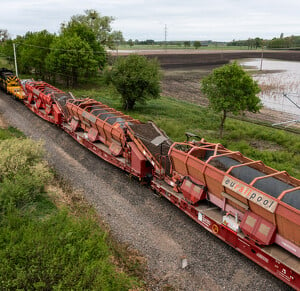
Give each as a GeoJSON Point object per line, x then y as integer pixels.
{"type": "Point", "coordinates": [276, 79]}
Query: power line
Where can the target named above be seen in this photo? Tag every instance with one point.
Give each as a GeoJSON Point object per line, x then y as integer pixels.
{"type": "Point", "coordinates": [48, 48]}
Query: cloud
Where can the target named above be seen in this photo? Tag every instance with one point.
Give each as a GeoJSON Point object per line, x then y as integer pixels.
{"type": "Point", "coordinates": [141, 19]}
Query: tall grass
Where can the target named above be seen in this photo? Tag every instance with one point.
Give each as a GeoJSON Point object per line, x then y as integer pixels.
{"type": "Point", "coordinates": [41, 246]}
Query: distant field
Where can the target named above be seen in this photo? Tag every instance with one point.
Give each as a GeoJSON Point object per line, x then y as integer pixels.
{"type": "Point", "coordinates": [181, 47]}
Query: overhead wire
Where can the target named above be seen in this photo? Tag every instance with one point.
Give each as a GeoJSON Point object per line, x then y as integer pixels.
{"type": "Point", "coordinates": [57, 49]}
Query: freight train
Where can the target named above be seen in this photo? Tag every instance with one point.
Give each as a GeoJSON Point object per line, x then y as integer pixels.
{"type": "Point", "coordinates": [250, 206]}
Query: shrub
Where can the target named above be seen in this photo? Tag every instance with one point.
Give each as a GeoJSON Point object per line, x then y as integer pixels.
{"type": "Point", "coordinates": [22, 173]}
{"type": "Point", "coordinates": [137, 79]}
{"type": "Point", "coordinates": [18, 155]}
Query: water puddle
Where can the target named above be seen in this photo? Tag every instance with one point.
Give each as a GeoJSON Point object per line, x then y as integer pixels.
{"type": "Point", "coordinates": [279, 82]}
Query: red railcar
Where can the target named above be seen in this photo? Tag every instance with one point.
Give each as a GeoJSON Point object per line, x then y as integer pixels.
{"type": "Point", "coordinates": [257, 209]}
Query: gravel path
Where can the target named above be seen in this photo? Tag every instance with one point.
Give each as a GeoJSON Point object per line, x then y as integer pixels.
{"type": "Point", "coordinates": [152, 225]}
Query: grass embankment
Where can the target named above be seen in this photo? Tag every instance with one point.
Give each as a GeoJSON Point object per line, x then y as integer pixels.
{"type": "Point", "coordinates": [45, 243]}
{"type": "Point", "coordinates": [276, 148]}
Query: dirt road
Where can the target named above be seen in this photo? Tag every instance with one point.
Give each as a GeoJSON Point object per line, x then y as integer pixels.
{"type": "Point", "coordinates": [157, 229]}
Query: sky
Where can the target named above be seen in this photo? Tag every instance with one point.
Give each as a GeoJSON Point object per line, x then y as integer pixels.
{"type": "Point", "coordinates": [219, 20]}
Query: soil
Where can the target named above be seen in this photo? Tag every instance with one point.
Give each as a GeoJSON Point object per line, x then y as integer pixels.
{"type": "Point", "coordinates": [148, 223]}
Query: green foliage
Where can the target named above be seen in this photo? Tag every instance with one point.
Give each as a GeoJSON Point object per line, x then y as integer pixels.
{"type": "Point", "coordinates": [6, 49]}
{"type": "Point", "coordinates": [250, 43]}
{"type": "Point", "coordinates": [22, 173]}
{"type": "Point", "coordinates": [57, 253]}
{"type": "Point", "coordinates": [197, 44]}
{"type": "Point", "coordinates": [130, 42]}
{"type": "Point", "coordinates": [23, 188]}
{"type": "Point", "coordinates": [137, 79]}
{"type": "Point", "coordinates": [18, 155]}
{"type": "Point", "coordinates": [101, 26]}
{"type": "Point", "coordinates": [10, 132]}
{"type": "Point", "coordinates": [230, 89]}
{"type": "Point", "coordinates": [187, 44]}
{"type": "Point", "coordinates": [42, 247]}
{"type": "Point", "coordinates": [284, 42]}
{"type": "Point", "coordinates": [86, 33]}
{"type": "Point", "coordinates": [32, 52]}
{"type": "Point", "coordinates": [70, 58]}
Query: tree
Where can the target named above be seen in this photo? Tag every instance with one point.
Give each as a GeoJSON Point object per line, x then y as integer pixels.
{"type": "Point", "coordinates": [82, 30]}
{"type": "Point", "coordinates": [230, 89]}
{"type": "Point", "coordinates": [6, 49]}
{"type": "Point", "coordinates": [70, 58]}
{"type": "Point", "coordinates": [130, 42]}
{"type": "Point", "coordinates": [258, 42]}
{"type": "Point", "coordinates": [187, 44]}
{"type": "Point", "coordinates": [32, 52]}
{"type": "Point", "coordinates": [101, 26]}
{"type": "Point", "coordinates": [197, 44]}
{"type": "Point", "coordinates": [137, 79]}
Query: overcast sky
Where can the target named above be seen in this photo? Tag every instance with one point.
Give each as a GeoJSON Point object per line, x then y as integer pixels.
{"type": "Point", "coordinates": [221, 20]}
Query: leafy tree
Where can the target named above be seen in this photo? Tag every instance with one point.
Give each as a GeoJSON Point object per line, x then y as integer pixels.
{"type": "Point", "coordinates": [130, 42]}
{"type": "Point", "coordinates": [187, 44]}
{"type": "Point", "coordinates": [101, 26]}
{"type": "Point", "coordinates": [86, 34]}
{"type": "Point", "coordinates": [258, 42]}
{"type": "Point", "coordinates": [197, 44]}
{"type": "Point", "coordinates": [33, 50]}
{"type": "Point", "coordinates": [71, 57]}
{"type": "Point", "coordinates": [6, 49]}
{"type": "Point", "coordinates": [230, 89]}
{"type": "Point", "coordinates": [137, 79]}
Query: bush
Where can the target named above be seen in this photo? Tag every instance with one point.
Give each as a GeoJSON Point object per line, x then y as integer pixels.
{"type": "Point", "coordinates": [22, 173]}
{"type": "Point", "coordinates": [137, 79]}
{"type": "Point", "coordinates": [18, 155]}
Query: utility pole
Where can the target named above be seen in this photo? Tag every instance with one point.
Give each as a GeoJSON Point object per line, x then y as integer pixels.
{"type": "Point", "coordinates": [262, 57]}
{"type": "Point", "coordinates": [15, 56]}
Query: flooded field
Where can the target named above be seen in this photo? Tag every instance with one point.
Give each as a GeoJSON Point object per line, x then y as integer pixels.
{"type": "Point", "coordinates": [277, 78]}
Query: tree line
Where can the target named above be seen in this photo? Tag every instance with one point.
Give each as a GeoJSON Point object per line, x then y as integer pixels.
{"type": "Point", "coordinates": [274, 43]}
{"type": "Point", "coordinates": [78, 50]}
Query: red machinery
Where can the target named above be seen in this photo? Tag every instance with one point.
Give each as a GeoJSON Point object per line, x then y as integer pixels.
{"type": "Point", "coordinates": [109, 134]}
{"type": "Point", "coordinates": [256, 209]}
{"type": "Point", "coordinates": [45, 100]}
{"type": "Point", "coordinates": [248, 186]}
